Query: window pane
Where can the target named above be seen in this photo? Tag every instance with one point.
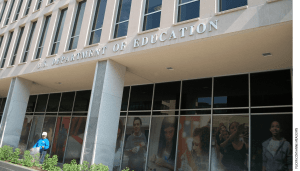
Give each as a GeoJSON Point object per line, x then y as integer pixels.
{"type": "Point", "coordinates": [82, 100]}
{"type": "Point", "coordinates": [95, 36]}
{"type": "Point", "coordinates": [53, 102]}
{"type": "Point", "coordinates": [193, 142]}
{"type": "Point", "coordinates": [229, 4]}
{"type": "Point", "coordinates": [231, 111]}
{"type": "Point", "coordinates": [75, 139]}
{"type": "Point", "coordinates": [271, 88]}
{"type": "Point", "coordinates": [261, 135]}
{"type": "Point", "coordinates": [18, 10]}
{"type": "Point", "coordinates": [139, 113]}
{"type": "Point", "coordinates": [152, 21]}
{"type": "Point", "coordinates": [3, 9]}
{"type": "Point", "coordinates": [231, 91]}
{"type": "Point", "coordinates": [124, 10]}
{"type": "Point", "coordinates": [31, 103]}
{"type": "Point", "coordinates": [136, 138]}
{"type": "Point", "coordinates": [2, 105]}
{"type": "Point", "coordinates": [99, 15]}
{"type": "Point", "coordinates": [121, 29]}
{"type": "Point", "coordinates": [153, 5]}
{"type": "Point", "coordinates": [6, 49]}
{"type": "Point", "coordinates": [162, 144]}
{"type": "Point", "coordinates": [43, 37]}
{"type": "Point", "coordinates": [35, 131]}
{"type": "Point", "coordinates": [60, 137]}
{"type": "Point", "coordinates": [188, 11]}
{"type": "Point", "coordinates": [55, 48]}
{"type": "Point", "coordinates": [59, 30]}
{"type": "Point", "coordinates": [25, 133]}
{"type": "Point", "coordinates": [272, 110]}
{"type": "Point", "coordinates": [41, 103]}
{"type": "Point", "coordinates": [195, 112]}
{"type": "Point", "coordinates": [29, 41]}
{"type": "Point", "coordinates": [184, 1]}
{"type": "Point", "coordinates": [9, 12]}
{"type": "Point", "coordinates": [233, 159]}
{"type": "Point", "coordinates": [79, 17]}
{"type": "Point", "coordinates": [119, 144]}
{"type": "Point", "coordinates": [141, 97]}
{"type": "Point", "coordinates": [165, 113]}
{"type": "Point", "coordinates": [125, 98]}
{"type": "Point", "coordinates": [196, 94]}
{"type": "Point", "coordinates": [49, 125]}
{"type": "Point", "coordinates": [73, 43]}
{"type": "Point", "coordinates": [67, 101]}
{"type": "Point", "coordinates": [28, 7]}
{"type": "Point", "coordinates": [166, 96]}
{"type": "Point", "coordinates": [17, 46]}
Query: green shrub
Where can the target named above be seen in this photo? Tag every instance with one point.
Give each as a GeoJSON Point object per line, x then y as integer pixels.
{"type": "Point", "coordinates": [71, 167]}
{"type": "Point", "coordinates": [99, 167]}
{"type": "Point", "coordinates": [7, 153]}
{"type": "Point", "coordinates": [27, 161]}
{"type": "Point", "coordinates": [50, 163]}
{"type": "Point", "coordinates": [15, 156]}
{"type": "Point", "coordinates": [36, 160]}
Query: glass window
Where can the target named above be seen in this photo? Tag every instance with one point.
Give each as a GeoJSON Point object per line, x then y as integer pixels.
{"type": "Point", "coordinates": [136, 139]}
{"type": "Point", "coordinates": [125, 98]}
{"type": "Point", "coordinates": [15, 52]}
{"type": "Point", "coordinates": [82, 101]}
{"type": "Point", "coordinates": [25, 133]}
{"type": "Point", "coordinates": [27, 7]}
{"type": "Point", "coordinates": [166, 96]}
{"type": "Point", "coordinates": [235, 152]}
{"type": "Point", "coordinates": [188, 9]}
{"type": "Point", "coordinates": [193, 143]}
{"type": "Point", "coordinates": [2, 105]}
{"type": "Point", "coordinates": [196, 94]}
{"type": "Point", "coordinates": [119, 144]}
{"type": "Point", "coordinates": [41, 103]}
{"type": "Point", "coordinates": [39, 4]}
{"type": "Point", "coordinates": [51, 1]}
{"type": "Point", "coordinates": [18, 10]}
{"type": "Point", "coordinates": [271, 88]}
{"type": "Point", "coordinates": [9, 12]}
{"type": "Point", "coordinates": [98, 22]}
{"type": "Point", "coordinates": [77, 25]}
{"type": "Point", "coordinates": [43, 37]}
{"type": "Point", "coordinates": [162, 144]}
{"type": "Point", "coordinates": [29, 42]}
{"type": "Point", "coordinates": [75, 140]}
{"type": "Point", "coordinates": [122, 19]}
{"type": "Point", "coordinates": [3, 9]}
{"type": "Point", "coordinates": [53, 102]}
{"type": "Point", "coordinates": [231, 91]}
{"type": "Point", "coordinates": [229, 4]}
{"type": "Point", "coordinates": [59, 30]}
{"type": "Point", "coordinates": [60, 137]}
{"type": "Point", "coordinates": [49, 126]}
{"type": "Point", "coordinates": [35, 131]}
{"type": "Point", "coordinates": [141, 97]}
{"type": "Point", "coordinates": [6, 49]}
{"type": "Point", "coordinates": [263, 129]}
{"type": "Point", "coordinates": [31, 103]}
{"type": "Point", "coordinates": [165, 113]}
{"type": "Point", "coordinates": [152, 14]}
{"type": "Point", "coordinates": [195, 112]}
{"type": "Point", "coordinates": [1, 39]}
{"type": "Point", "coordinates": [67, 100]}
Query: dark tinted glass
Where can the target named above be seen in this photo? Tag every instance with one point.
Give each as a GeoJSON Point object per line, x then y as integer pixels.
{"type": "Point", "coordinates": [123, 114]}
{"type": "Point", "coordinates": [184, 1]}
{"type": "Point", "coordinates": [9, 12]}
{"type": "Point", "coordinates": [82, 100]}
{"type": "Point", "coordinates": [99, 14]}
{"type": "Point", "coordinates": [6, 49]}
{"type": "Point", "coordinates": [80, 114]}
{"type": "Point", "coordinates": [53, 102]}
{"type": "Point", "coordinates": [25, 133]}
{"type": "Point", "coordinates": [119, 144]}
{"type": "Point", "coordinates": [231, 111]}
{"type": "Point", "coordinates": [64, 114]}
{"type": "Point", "coordinates": [231, 91]}
{"type": "Point", "coordinates": [31, 103]}
{"type": "Point", "coordinates": [49, 125]}
{"type": "Point", "coordinates": [196, 94]}
{"type": "Point", "coordinates": [18, 10]}
{"type": "Point", "coordinates": [75, 139]}
{"type": "Point", "coordinates": [17, 46]}
{"type": "Point", "coordinates": [79, 18]}
{"type": "Point", "coordinates": [141, 97]}
{"type": "Point", "coordinates": [29, 41]}
{"type": "Point", "coordinates": [271, 88]}
{"type": "Point", "coordinates": [41, 103]}
{"type": "Point", "coordinates": [138, 113]}
{"type": "Point", "coordinates": [188, 11]}
{"type": "Point", "coordinates": [35, 131]}
{"type": "Point", "coordinates": [124, 10]}
{"type": "Point", "coordinates": [59, 30]}
{"type": "Point", "coordinates": [43, 36]}
{"type": "Point", "coordinates": [272, 110]}
{"type": "Point", "coordinates": [166, 96]}
{"type": "Point", "coordinates": [125, 98]}
{"type": "Point", "coordinates": [195, 112]}
{"type": "Point", "coordinates": [2, 105]}
{"type": "Point", "coordinates": [152, 5]}
{"type": "Point", "coordinates": [3, 9]}
{"type": "Point", "coordinates": [121, 29]}
{"type": "Point", "coordinates": [67, 101]}
{"type": "Point", "coordinates": [151, 21]}
{"type": "Point", "coordinates": [165, 113]}
{"type": "Point", "coordinates": [229, 4]}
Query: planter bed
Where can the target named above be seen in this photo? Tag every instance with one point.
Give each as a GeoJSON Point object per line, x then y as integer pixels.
{"type": "Point", "coordinates": [4, 165]}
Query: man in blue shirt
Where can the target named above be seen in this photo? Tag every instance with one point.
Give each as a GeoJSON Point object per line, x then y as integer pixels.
{"type": "Point", "coordinates": [43, 143]}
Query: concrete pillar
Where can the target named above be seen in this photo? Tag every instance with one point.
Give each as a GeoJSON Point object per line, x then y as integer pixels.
{"type": "Point", "coordinates": [14, 112]}
{"type": "Point", "coordinates": [104, 111]}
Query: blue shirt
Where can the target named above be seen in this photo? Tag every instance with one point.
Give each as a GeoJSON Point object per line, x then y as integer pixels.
{"type": "Point", "coordinates": [42, 142]}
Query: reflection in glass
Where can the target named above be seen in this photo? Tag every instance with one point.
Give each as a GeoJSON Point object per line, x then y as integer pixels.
{"type": "Point", "coordinates": [66, 103]}
{"type": "Point", "coordinates": [196, 94]}
{"type": "Point", "coordinates": [49, 125]}
{"type": "Point", "coordinates": [231, 91]}
{"type": "Point", "coordinates": [193, 143]}
{"type": "Point", "coordinates": [119, 144]}
{"type": "Point", "coordinates": [162, 149]}
{"type": "Point", "coordinates": [41, 103]}
{"type": "Point", "coordinates": [60, 137]}
{"type": "Point", "coordinates": [230, 153]}
{"type": "Point", "coordinates": [31, 103]}
{"type": "Point", "coordinates": [98, 21]}
{"type": "Point", "coordinates": [136, 139]}
{"type": "Point", "coordinates": [82, 100]}
{"type": "Point", "coordinates": [122, 18]}
{"type": "Point", "coordinates": [35, 131]}
{"type": "Point", "coordinates": [166, 96]}
{"type": "Point", "coordinates": [24, 134]}
{"type": "Point", "coordinates": [75, 139]}
{"type": "Point", "coordinates": [53, 102]}
{"type": "Point", "coordinates": [229, 4]}
{"type": "Point", "coordinates": [266, 130]}
{"type": "Point", "coordinates": [125, 98]}
{"type": "Point", "coordinates": [141, 97]}
{"type": "Point", "coordinates": [189, 11]}
{"type": "Point", "coordinates": [2, 105]}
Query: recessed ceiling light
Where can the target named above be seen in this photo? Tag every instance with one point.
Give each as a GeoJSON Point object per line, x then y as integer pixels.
{"type": "Point", "coordinates": [170, 68]}
{"type": "Point", "coordinates": [266, 54]}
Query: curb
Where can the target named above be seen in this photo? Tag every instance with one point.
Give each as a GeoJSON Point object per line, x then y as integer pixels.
{"type": "Point", "coordinates": [10, 166]}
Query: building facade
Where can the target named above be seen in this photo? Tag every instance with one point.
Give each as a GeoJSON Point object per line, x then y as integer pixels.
{"type": "Point", "coordinates": [149, 84]}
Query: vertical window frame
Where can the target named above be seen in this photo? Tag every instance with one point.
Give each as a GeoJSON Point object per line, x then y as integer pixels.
{"type": "Point", "coordinates": [28, 41]}
{"type": "Point", "coordinates": [144, 14]}
{"type": "Point", "coordinates": [6, 49]}
{"type": "Point", "coordinates": [42, 36]}
{"type": "Point", "coordinates": [116, 17]}
{"type": "Point", "coordinates": [18, 10]}
{"type": "Point", "coordinates": [177, 9]}
{"type": "Point", "coordinates": [12, 3]}
{"type": "Point", "coordinates": [16, 46]}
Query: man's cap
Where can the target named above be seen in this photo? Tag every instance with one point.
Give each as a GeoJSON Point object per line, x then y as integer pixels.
{"type": "Point", "coordinates": [44, 133]}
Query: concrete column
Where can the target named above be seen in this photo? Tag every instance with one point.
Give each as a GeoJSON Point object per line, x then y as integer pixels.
{"type": "Point", "coordinates": [14, 112]}
{"type": "Point", "coordinates": [104, 111]}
